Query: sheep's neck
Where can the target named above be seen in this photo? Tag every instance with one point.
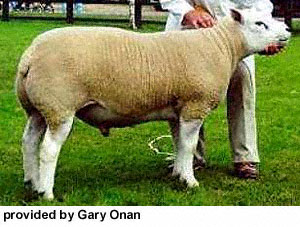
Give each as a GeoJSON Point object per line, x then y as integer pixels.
{"type": "Point", "coordinates": [213, 55]}
{"type": "Point", "coordinates": [235, 40]}
{"type": "Point", "coordinates": [225, 41]}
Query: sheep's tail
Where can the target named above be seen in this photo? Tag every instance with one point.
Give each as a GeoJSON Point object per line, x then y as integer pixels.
{"type": "Point", "coordinates": [22, 73]}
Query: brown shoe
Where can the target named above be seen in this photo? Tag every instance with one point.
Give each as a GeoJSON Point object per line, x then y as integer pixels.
{"type": "Point", "coordinates": [246, 170]}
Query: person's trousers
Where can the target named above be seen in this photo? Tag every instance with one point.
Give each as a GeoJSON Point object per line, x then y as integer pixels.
{"type": "Point", "coordinates": [241, 112]}
{"type": "Point", "coordinates": [240, 115]}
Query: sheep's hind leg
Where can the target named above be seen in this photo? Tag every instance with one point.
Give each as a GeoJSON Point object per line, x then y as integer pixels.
{"type": "Point", "coordinates": [186, 146]}
{"type": "Point", "coordinates": [199, 161]}
{"type": "Point", "coordinates": [50, 148]}
{"type": "Point", "coordinates": [174, 127]}
{"type": "Point", "coordinates": [32, 136]}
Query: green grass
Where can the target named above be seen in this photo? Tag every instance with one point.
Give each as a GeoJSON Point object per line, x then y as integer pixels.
{"type": "Point", "coordinates": [121, 170]}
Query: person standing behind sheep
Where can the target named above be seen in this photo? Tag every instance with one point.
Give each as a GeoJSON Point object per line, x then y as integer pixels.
{"type": "Point", "coordinates": [241, 92]}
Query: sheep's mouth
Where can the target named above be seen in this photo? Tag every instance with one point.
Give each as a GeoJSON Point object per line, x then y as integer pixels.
{"type": "Point", "coordinates": [283, 41]}
{"type": "Point", "coordinates": [279, 46]}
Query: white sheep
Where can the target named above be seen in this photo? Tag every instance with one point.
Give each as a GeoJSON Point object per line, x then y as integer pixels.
{"type": "Point", "coordinates": [110, 77]}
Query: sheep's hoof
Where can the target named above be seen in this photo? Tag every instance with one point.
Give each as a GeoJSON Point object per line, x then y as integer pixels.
{"type": "Point", "coordinates": [29, 193]}
{"type": "Point", "coordinates": [190, 181]}
{"type": "Point", "coordinates": [193, 184]}
{"type": "Point", "coordinates": [46, 196]}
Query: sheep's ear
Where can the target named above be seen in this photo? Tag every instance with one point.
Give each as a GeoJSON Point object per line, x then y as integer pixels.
{"type": "Point", "coordinates": [237, 16]}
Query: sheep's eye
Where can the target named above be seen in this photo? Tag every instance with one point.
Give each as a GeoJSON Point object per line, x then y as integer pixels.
{"type": "Point", "coordinates": [260, 23]}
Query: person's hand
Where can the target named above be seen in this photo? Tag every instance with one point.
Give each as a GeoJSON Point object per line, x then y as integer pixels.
{"type": "Point", "coordinates": [198, 19]}
{"type": "Point", "coordinates": [272, 49]}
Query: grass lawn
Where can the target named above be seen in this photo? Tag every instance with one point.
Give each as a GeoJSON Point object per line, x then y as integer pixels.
{"type": "Point", "coordinates": [121, 170]}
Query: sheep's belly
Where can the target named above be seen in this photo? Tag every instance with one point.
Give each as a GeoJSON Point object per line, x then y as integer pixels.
{"type": "Point", "coordinates": [104, 118]}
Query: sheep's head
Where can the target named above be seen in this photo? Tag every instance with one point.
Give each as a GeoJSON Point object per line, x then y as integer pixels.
{"type": "Point", "coordinates": [260, 30]}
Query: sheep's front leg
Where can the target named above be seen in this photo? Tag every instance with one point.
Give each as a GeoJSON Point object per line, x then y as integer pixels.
{"type": "Point", "coordinates": [186, 147]}
{"type": "Point", "coordinates": [50, 147]}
